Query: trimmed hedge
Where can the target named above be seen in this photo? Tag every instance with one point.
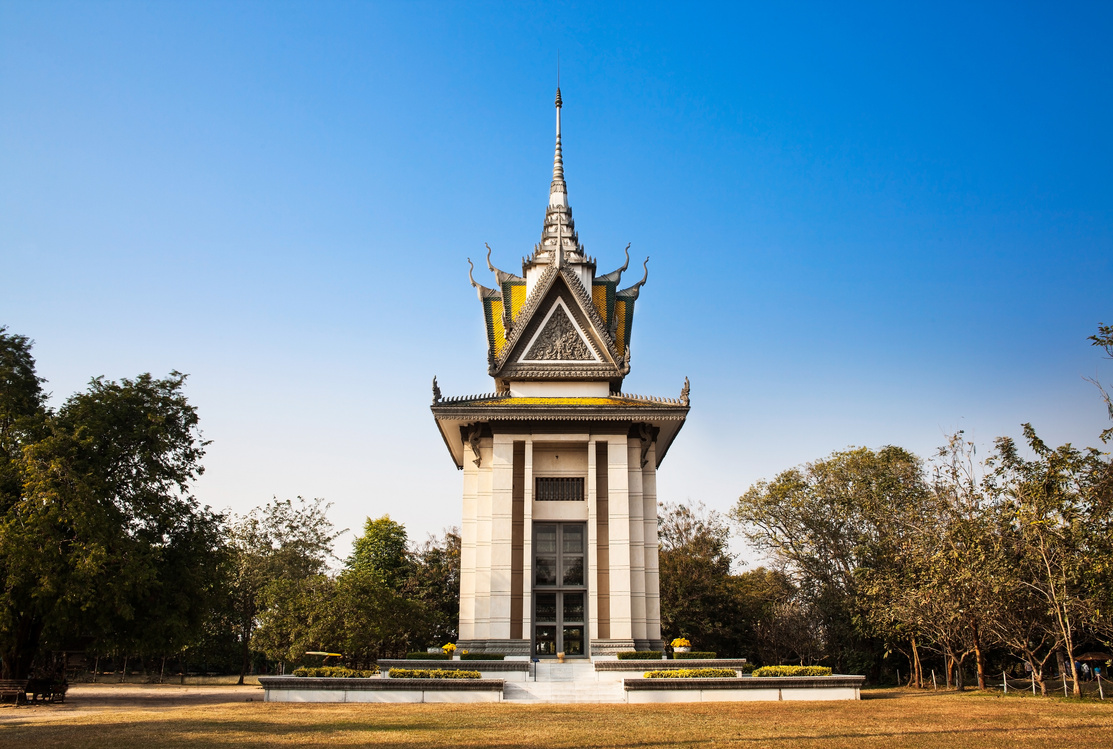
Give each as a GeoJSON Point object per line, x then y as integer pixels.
{"type": "Point", "coordinates": [432, 673]}
{"type": "Point", "coordinates": [747, 668]}
{"type": "Point", "coordinates": [691, 673]}
{"type": "Point", "coordinates": [428, 657]}
{"type": "Point", "coordinates": [695, 655]}
{"type": "Point", "coordinates": [793, 671]}
{"type": "Point", "coordinates": [335, 672]}
{"type": "Point", "coordinates": [483, 656]}
{"type": "Point", "coordinates": [640, 655]}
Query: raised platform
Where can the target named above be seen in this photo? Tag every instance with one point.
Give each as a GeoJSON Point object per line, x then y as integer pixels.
{"type": "Point", "coordinates": [559, 683]}
{"type": "Point", "coordinates": [507, 670]}
{"type": "Point", "coordinates": [661, 665]}
{"type": "Point", "coordinates": [745, 689]}
{"type": "Point", "coordinates": [375, 689]}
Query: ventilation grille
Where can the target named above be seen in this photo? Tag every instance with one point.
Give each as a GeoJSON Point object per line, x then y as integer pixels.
{"type": "Point", "coordinates": [560, 490]}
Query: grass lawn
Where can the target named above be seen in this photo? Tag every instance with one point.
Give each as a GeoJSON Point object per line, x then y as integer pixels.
{"type": "Point", "coordinates": [883, 718]}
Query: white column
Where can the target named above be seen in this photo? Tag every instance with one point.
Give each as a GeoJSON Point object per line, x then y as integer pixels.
{"type": "Point", "coordinates": [592, 546]}
{"type": "Point", "coordinates": [502, 508]}
{"type": "Point", "coordinates": [637, 540]}
{"type": "Point", "coordinates": [483, 545]}
{"type": "Point", "coordinates": [652, 569]}
{"type": "Point", "coordinates": [468, 538]}
{"type": "Point", "coordinates": [527, 545]}
{"type": "Point", "coordinates": [618, 478]}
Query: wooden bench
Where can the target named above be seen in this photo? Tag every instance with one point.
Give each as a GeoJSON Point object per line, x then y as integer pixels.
{"type": "Point", "coordinates": [48, 689]}
{"type": "Point", "coordinates": [14, 688]}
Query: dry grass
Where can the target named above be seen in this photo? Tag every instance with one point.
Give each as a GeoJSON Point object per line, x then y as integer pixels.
{"type": "Point", "coordinates": [884, 718]}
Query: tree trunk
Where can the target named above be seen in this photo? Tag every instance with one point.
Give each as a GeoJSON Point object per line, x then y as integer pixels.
{"type": "Point", "coordinates": [950, 667]}
{"type": "Point", "coordinates": [979, 657]}
{"type": "Point", "coordinates": [245, 654]}
{"type": "Point", "coordinates": [162, 672]}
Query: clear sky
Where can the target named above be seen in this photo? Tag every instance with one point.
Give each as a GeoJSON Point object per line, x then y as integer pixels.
{"type": "Point", "coordinates": [869, 224]}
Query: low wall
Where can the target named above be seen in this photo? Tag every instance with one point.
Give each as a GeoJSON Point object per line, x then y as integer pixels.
{"type": "Point", "coordinates": [506, 670]}
{"type": "Point", "coordinates": [632, 665]}
{"type": "Point", "coordinates": [376, 689]}
{"type": "Point", "coordinates": [745, 689]}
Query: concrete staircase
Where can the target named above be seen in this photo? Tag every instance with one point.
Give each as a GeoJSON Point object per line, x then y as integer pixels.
{"type": "Point", "coordinates": [565, 682]}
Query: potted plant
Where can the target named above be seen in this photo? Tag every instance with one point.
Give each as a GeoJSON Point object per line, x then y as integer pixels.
{"type": "Point", "coordinates": [681, 645]}
{"type": "Point", "coordinates": [449, 650]}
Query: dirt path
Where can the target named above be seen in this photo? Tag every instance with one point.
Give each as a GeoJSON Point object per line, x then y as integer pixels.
{"type": "Point", "coordinates": [87, 699]}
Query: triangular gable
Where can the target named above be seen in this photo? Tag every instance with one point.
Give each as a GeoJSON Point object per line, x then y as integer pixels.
{"type": "Point", "coordinates": [558, 338]}
{"type": "Point", "coordinates": [564, 288]}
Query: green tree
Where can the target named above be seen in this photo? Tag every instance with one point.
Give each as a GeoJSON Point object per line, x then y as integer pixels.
{"type": "Point", "coordinates": [1059, 514]}
{"type": "Point", "coordinates": [434, 580]}
{"type": "Point", "coordinates": [383, 550]}
{"type": "Point", "coordinates": [285, 541]}
{"type": "Point", "coordinates": [104, 539]}
{"type": "Point", "coordinates": [821, 524]}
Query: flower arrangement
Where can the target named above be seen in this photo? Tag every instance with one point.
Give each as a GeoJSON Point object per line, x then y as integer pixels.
{"type": "Point", "coordinates": [681, 642]}
{"type": "Point", "coordinates": [448, 649]}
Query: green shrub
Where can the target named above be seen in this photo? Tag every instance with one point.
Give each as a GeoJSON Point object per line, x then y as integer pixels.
{"type": "Point", "coordinates": [691, 673]}
{"type": "Point", "coordinates": [793, 671]}
{"type": "Point", "coordinates": [482, 656]}
{"type": "Point", "coordinates": [335, 672]}
{"type": "Point", "coordinates": [428, 657]}
{"type": "Point", "coordinates": [432, 673]}
{"type": "Point", "coordinates": [640, 655]}
{"type": "Point", "coordinates": [746, 668]}
{"type": "Point", "coordinates": [695, 655]}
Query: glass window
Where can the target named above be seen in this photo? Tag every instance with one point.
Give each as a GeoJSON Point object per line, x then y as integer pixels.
{"type": "Point", "coordinates": [544, 570]}
{"type": "Point", "coordinates": [546, 640]}
{"type": "Point", "coordinates": [573, 640]}
{"type": "Point", "coordinates": [573, 571]}
{"type": "Point", "coordinates": [547, 607]}
{"type": "Point", "coordinates": [573, 607]}
{"type": "Point", "coordinates": [546, 539]}
{"type": "Point", "coordinates": [573, 539]}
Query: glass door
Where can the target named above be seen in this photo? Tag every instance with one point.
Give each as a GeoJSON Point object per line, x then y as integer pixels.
{"type": "Point", "coordinates": [559, 589]}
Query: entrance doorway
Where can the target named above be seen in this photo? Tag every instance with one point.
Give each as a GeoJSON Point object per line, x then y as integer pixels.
{"type": "Point", "coordinates": [559, 589]}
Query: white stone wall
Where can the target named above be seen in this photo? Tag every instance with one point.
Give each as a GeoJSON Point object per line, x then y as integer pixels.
{"type": "Point", "coordinates": [486, 533]}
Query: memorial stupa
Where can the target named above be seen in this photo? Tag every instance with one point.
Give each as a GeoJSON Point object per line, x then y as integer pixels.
{"type": "Point", "coordinates": [559, 531]}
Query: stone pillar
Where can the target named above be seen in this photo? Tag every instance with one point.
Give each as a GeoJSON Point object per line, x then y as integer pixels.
{"type": "Point", "coordinates": [502, 499]}
{"type": "Point", "coordinates": [637, 544]}
{"type": "Point", "coordinates": [652, 569]}
{"type": "Point", "coordinates": [618, 479]}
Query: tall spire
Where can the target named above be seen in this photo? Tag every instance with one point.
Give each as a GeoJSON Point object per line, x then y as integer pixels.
{"type": "Point", "coordinates": [558, 192]}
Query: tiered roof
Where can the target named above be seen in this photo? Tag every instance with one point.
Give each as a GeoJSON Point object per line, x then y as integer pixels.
{"type": "Point", "coordinates": [558, 320]}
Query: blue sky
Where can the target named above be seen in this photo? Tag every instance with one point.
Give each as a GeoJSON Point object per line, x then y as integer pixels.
{"type": "Point", "coordinates": [869, 224]}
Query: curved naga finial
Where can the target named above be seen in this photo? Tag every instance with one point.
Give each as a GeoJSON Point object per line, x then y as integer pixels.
{"type": "Point", "coordinates": [684, 392]}
{"type": "Point", "coordinates": [471, 268]}
{"type": "Point", "coordinates": [489, 266]}
{"type": "Point", "coordinates": [615, 275]}
{"type": "Point", "coordinates": [436, 391]}
{"type": "Point", "coordinates": [632, 291]}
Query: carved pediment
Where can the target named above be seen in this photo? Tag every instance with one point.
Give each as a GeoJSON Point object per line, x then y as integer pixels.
{"type": "Point", "coordinates": [558, 338]}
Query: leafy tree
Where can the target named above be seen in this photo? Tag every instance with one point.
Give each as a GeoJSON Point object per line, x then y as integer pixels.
{"type": "Point", "coordinates": [1058, 517]}
{"type": "Point", "coordinates": [821, 523]}
{"type": "Point", "coordinates": [284, 541]}
{"type": "Point", "coordinates": [434, 580]}
{"type": "Point", "coordinates": [104, 540]}
{"type": "Point", "coordinates": [382, 549]}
